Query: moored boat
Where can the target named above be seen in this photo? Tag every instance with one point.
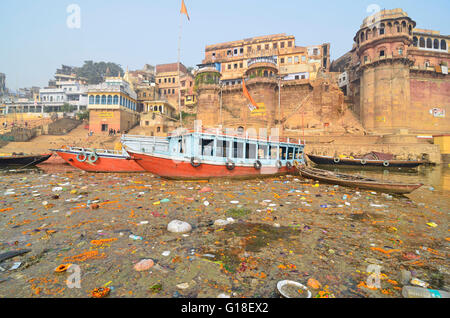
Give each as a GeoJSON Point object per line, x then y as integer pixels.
{"type": "Point", "coordinates": [356, 181]}
{"type": "Point", "coordinates": [364, 162]}
{"type": "Point", "coordinates": [98, 160]}
{"type": "Point", "coordinates": [22, 161]}
{"type": "Point", "coordinates": [211, 154]}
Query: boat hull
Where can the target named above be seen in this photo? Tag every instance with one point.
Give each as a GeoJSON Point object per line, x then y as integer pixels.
{"type": "Point", "coordinates": [323, 160]}
{"type": "Point", "coordinates": [394, 188]}
{"type": "Point", "coordinates": [103, 164]}
{"type": "Point", "coordinates": [23, 161]}
{"type": "Point", "coordinates": [174, 169]}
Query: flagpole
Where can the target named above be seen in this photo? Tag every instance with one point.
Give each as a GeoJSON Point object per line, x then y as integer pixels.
{"type": "Point", "coordinates": [179, 79]}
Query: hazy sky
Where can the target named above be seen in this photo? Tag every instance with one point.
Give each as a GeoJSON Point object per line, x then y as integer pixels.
{"type": "Point", "coordinates": [35, 38]}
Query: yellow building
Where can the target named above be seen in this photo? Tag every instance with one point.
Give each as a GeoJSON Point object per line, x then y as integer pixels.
{"type": "Point", "coordinates": [112, 105]}
{"type": "Point", "coordinates": [158, 117]}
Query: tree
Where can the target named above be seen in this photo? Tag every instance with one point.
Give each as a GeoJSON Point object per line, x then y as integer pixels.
{"type": "Point", "coordinates": [95, 72]}
{"type": "Point", "coordinates": [67, 108]}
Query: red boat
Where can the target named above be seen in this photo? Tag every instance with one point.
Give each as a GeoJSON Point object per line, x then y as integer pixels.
{"type": "Point", "coordinates": [99, 160]}
{"type": "Point", "coordinates": [206, 155]}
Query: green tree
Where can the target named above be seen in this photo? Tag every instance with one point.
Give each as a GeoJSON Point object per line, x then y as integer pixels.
{"type": "Point", "coordinates": [67, 108]}
{"type": "Point", "coordinates": [95, 72]}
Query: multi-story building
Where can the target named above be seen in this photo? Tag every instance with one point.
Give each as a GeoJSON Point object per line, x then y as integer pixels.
{"type": "Point", "coordinates": [158, 117]}
{"type": "Point", "coordinates": [2, 84]}
{"type": "Point", "coordinates": [112, 105]}
{"type": "Point", "coordinates": [398, 75]}
{"type": "Point", "coordinates": [294, 62]}
{"type": "Point", "coordinates": [64, 75]}
{"type": "Point", "coordinates": [170, 81]}
{"type": "Point", "coordinates": [71, 93]}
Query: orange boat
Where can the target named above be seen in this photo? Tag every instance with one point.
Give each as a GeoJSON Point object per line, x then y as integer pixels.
{"type": "Point", "coordinates": [205, 155]}
{"type": "Point", "coordinates": [98, 160]}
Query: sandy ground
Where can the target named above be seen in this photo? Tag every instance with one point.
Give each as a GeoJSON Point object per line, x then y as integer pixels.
{"type": "Point", "coordinates": [283, 228]}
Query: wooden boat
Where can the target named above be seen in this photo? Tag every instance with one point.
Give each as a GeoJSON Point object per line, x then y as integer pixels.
{"type": "Point", "coordinates": [356, 181]}
{"type": "Point", "coordinates": [22, 161]}
{"type": "Point", "coordinates": [211, 154]}
{"type": "Point", "coordinates": [364, 162]}
{"type": "Point", "coordinates": [99, 160]}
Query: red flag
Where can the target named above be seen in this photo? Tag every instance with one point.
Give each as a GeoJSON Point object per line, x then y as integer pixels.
{"type": "Point", "coordinates": [184, 10]}
{"type": "Point", "coordinates": [252, 106]}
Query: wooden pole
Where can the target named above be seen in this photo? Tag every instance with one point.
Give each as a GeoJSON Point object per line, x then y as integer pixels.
{"type": "Point", "coordinates": [178, 65]}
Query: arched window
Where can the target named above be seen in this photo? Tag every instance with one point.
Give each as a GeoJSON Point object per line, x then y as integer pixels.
{"type": "Point", "coordinates": [403, 26]}
{"type": "Point", "coordinates": [104, 100]}
{"type": "Point", "coordinates": [443, 45]}
{"type": "Point", "coordinates": [410, 29]}
{"type": "Point", "coordinates": [97, 99]}
{"type": "Point", "coordinates": [382, 26]}
{"type": "Point", "coordinates": [374, 32]}
{"type": "Point", "coordinates": [109, 100]}
{"type": "Point", "coordinates": [400, 50]}
{"type": "Point", "coordinates": [266, 73]}
{"type": "Point", "coordinates": [429, 43]}
{"type": "Point", "coordinates": [91, 99]}
{"type": "Point", "coordinates": [415, 41]}
{"type": "Point", "coordinates": [397, 26]}
{"type": "Point", "coordinates": [362, 36]}
{"type": "Point", "coordinates": [121, 101]}
{"type": "Point", "coordinates": [367, 34]}
{"type": "Point", "coordinates": [116, 100]}
{"type": "Point", "coordinates": [160, 109]}
{"type": "Point", "coordinates": [422, 42]}
{"type": "Point", "coordinates": [436, 44]}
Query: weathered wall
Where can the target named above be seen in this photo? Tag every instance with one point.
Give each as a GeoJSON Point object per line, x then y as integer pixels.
{"type": "Point", "coordinates": [427, 93]}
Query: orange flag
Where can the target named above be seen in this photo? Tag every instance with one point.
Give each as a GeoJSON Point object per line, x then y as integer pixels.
{"type": "Point", "coordinates": [252, 106]}
{"type": "Point", "coordinates": [184, 10]}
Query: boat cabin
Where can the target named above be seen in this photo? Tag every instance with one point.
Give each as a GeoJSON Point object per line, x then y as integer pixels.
{"type": "Point", "coordinates": [220, 148]}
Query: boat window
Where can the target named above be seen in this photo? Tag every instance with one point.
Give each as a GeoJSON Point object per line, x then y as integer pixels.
{"type": "Point", "coordinates": [298, 153]}
{"type": "Point", "coordinates": [181, 145]}
{"type": "Point", "coordinates": [283, 153]}
{"type": "Point", "coordinates": [290, 153]}
{"type": "Point", "coordinates": [222, 148]}
{"type": "Point", "coordinates": [263, 151]}
{"type": "Point", "coordinates": [206, 147]}
{"type": "Point", "coordinates": [250, 151]}
{"type": "Point", "coordinates": [273, 152]}
{"type": "Point", "coordinates": [238, 149]}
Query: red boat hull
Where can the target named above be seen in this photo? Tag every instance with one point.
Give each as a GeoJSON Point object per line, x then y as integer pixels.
{"type": "Point", "coordinates": [173, 169]}
{"type": "Point", "coordinates": [103, 164]}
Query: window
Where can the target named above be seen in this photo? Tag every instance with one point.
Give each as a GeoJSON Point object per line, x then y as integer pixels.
{"type": "Point", "coordinates": [303, 58]}
{"type": "Point", "coordinates": [297, 77]}
{"type": "Point", "coordinates": [235, 66]}
{"type": "Point", "coordinates": [238, 149]}
{"type": "Point", "coordinates": [165, 80]}
{"type": "Point", "coordinates": [289, 60]}
{"type": "Point", "coordinates": [422, 42]}
{"type": "Point", "coordinates": [290, 44]}
{"type": "Point", "coordinates": [266, 73]}
{"type": "Point", "coordinates": [206, 147]}
{"type": "Point", "coordinates": [381, 53]}
{"type": "Point", "coordinates": [316, 52]}
{"type": "Point", "coordinates": [241, 51]}
{"type": "Point", "coordinates": [214, 54]}
{"type": "Point", "coordinates": [415, 41]}
{"type": "Point", "coordinates": [158, 129]}
{"type": "Point", "coordinates": [235, 51]}
{"type": "Point", "coordinates": [436, 44]}
{"type": "Point", "coordinates": [250, 151]}
{"type": "Point", "coordinates": [183, 83]}
{"type": "Point", "coordinates": [262, 152]}
{"type": "Point", "coordinates": [266, 46]}
{"type": "Point", "coordinates": [296, 60]}
{"type": "Point", "coordinates": [366, 58]}
{"type": "Point", "coordinates": [282, 60]}
{"type": "Point", "coordinates": [159, 81]}
{"type": "Point", "coordinates": [382, 29]}
{"type": "Point", "coordinates": [97, 99]}
{"type": "Point", "coordinates": [290, 153]}
{"type": "Point", "coordinates": [173, 91]}
{"type": "Point", "coordinates": [282, 45]}
{"type": "Point", "coordinates": [249, 49]}
{"type": "Point", "coordinates": [173, 80]}
{"type": "Point", "coordinates": [400, 51]}
{"type": "Point", "coordinates": [109, 100]}
{"type": "Point", "coordinates": [147, 123]}
{"type": "Point", "coordinates": [429, 44]}
{"type": "Point", "coordinates": [258, 48]}
{"type": "Point", "coordinates": [229, 52]}
{"type": "Point", "coordinates": [443, 45]}
{"type": "Point", "coordinates": [229, 66]}
{"type": "Point", "coordinates": [283, 153]}
{"type": "Point", "coordinates": [222, 148]}
{"type": "Point", "coordinates": [275, 45]}
{"type": "Point", "coordinates": [241, 65]}
{"type": "Point", "coordinates": [104, 100]}
{"type": "Point", "coordinates": [91, 99]}
{"type": "Point", "coordinates": [427, 64]}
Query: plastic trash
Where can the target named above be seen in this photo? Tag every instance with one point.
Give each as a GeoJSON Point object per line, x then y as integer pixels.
{"type": "Point", "coordinates": [144, 265]}
{"type": "Point", "coordinates": [419, 292]}
{"type": "Point", "coordinates": [418, 282]}
{"type": "Point", "coordinates": [135, 237]}
{"type": "Point", "coordinates": [177, 226]}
